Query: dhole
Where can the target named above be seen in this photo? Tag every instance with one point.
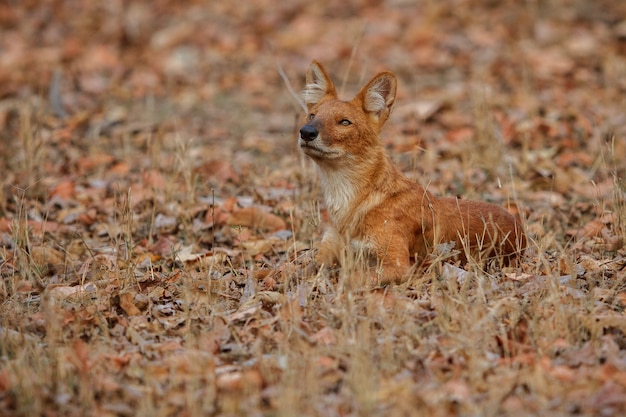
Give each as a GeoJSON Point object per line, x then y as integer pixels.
{"type": "Point", "coordinates": [372, 206]}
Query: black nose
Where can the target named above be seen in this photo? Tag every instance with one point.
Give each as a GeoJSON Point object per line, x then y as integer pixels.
{"type": "Point", "coordinates": [308, 133]}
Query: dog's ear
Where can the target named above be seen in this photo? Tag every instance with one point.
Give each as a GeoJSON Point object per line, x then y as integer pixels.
{"type": "Point", "coordinates": [377, 96]}
{"type": "Point", "coordinates": [318, 85]}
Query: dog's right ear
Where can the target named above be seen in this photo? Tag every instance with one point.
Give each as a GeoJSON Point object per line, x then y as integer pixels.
{"type": "Point", "coordinates": [318, 85]}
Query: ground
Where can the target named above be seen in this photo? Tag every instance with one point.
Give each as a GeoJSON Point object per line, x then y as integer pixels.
{"type": "Point", "coordinates": [157, 219]}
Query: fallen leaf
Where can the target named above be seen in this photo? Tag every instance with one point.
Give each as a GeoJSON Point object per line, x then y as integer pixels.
{"type": "Point", "coordinates": [44, 256]}
{"type": "Point", "coordinates": [219, 170]}
{"type": "Point", "coordinates": [563, 373]}
{"type": "Point", "coordinates": [249, 380]}
{"type": "Point", "coordinates": [153, 179]}
{"type": "Point", "coordinates": [245, 312]}
{"type": "Point", "coordinates": [64, 190]}
{"type": "Point", "coordinates": [70, 292]}
{"type": "Point", "coordinates": [256, 218]}
{"type": "Point", "coordinates": [325, 336]}
{"type": "Point", "coordinates": [128, 305]}
{"type": "Point", "coordinates": [591, 229]}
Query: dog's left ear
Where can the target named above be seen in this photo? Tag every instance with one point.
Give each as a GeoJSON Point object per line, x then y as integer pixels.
{"type": "Point", "coordinates": [378, 96]}
{"type": "Point", "coordinates": [318, 85]}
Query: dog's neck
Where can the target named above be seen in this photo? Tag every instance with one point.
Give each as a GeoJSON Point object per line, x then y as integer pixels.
{"type": "Point", "coordinates": [349, 187]}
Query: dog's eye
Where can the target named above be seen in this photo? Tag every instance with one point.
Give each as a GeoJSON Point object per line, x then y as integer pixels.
{"type": "Point", "coordinates": [311, 116]}
{"type": "Point", "coordinates": [345, 122]}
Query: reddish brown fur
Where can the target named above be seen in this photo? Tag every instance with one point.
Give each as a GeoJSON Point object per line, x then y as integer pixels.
{"type": "Point", "coordinates": [372, 205]}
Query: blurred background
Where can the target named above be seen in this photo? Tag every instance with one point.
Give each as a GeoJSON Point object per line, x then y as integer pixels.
{"type": "Point", "coordinates": [194, 96]}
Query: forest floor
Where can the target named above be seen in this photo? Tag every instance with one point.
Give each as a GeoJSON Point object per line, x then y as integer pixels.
{"type": "Point", "coordinates": [156, 214]}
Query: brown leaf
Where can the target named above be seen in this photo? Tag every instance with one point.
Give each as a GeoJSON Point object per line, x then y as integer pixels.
{"type": "Point", "coordinates": [256, 218]}
{"type": "Point", "coordinates": [249, 379]}
{"type": "Point", "coordinates": [458, 390]}
{"type": "Point", "coordinates": [246, 311]}
{"type": "Point", "coordinates": [255, 247]}
{"type": "Point", "coordinates": [6, 225]}
{"type": "Point", "coordinates": [153, 179]}
{"type": "Point", "coordinates": [269, 298]}
{"type": "Point", "coordinates": [64, 190]}
{"type": "Point", "coordinates": [120, 169]}
{"type": "Point", "coordinates": [550, 63]}
{"type": "Point", "coordinates": [219, 171]}
{"type": "Point", "coordinates": [90, 161]}
{"type": "Point", "coordinates": [71, 292]}
{"type": "Point", "coordinates": [47, 226]}
{"type": "Point", "coordinates": [563, 373]}
{"type": "Point", "coordinates": [45, 255]}
{"type": "Point", "coordinates": [461, 134]}
{"type": "Point", "coordinates": [127, 304]}
{"type": "Point", "coordinates": [591, 229]}
{"type": "Point", "coordinates": [80, 356]}
{"type": "Point", "coordinates": [164, 246]}
{"type": "Point", "coordinates": [611, 397]}
{"type": "Point", "coordinates": [325, 336]}
{"type": "Point", "coordinates": [612, 242]}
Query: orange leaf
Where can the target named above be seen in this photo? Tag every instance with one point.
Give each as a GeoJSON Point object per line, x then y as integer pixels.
{"type": "Point", "coordinates": [40, 227]}
{"type": "Point", "coordinates": [460, 135]}
{"type": "Point", "coordinates": [91, 161]}
{"type": "Point", "coordinates": [6, 225]}
{"type": "Point", "coordinates": [256, 218]}
{"type": "Point", "coordinates": [64, 190]}
{"type": "Point", "coordinates": [126, 302]}
{"type": "Point", "coordinates": [80, 356]}
{"type": "Point", "coordinates": [119, 169]}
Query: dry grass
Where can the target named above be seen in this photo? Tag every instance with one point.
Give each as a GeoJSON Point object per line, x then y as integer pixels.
{"type": "Point", "coordinates": [141, 274]}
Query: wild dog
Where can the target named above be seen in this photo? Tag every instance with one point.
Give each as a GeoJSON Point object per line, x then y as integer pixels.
{"type": "Point", "coordinates": [372, 205]}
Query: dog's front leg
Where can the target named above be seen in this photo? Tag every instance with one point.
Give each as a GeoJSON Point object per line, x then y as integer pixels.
{"type": "Point", "coordinates": [393, 264]}
{"type": "Point", "coordinates": [329, 252]}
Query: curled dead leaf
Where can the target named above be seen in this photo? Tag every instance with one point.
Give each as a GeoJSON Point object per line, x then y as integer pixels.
{"type": "Point", "coordinates": [68, 292]}
{"type": "Point", "coordinates": [612, 242]}
{"type": "Point", "coordinates": [270, 297]}
{"type": "Point", "coordinates": [128, 305]}
{"type": "Point", "coordinates": [187, 255]}
{"type": "Point", "coordinates": [269, 283]}
{"type": "Point", "coordinates": [246, 311]}
{"type": "Point", "coordinates": [519, 276]}
{"type": "Point", "coordinates": [449, 272]}
{"type": "Point", "coordinates": [590, 264]}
